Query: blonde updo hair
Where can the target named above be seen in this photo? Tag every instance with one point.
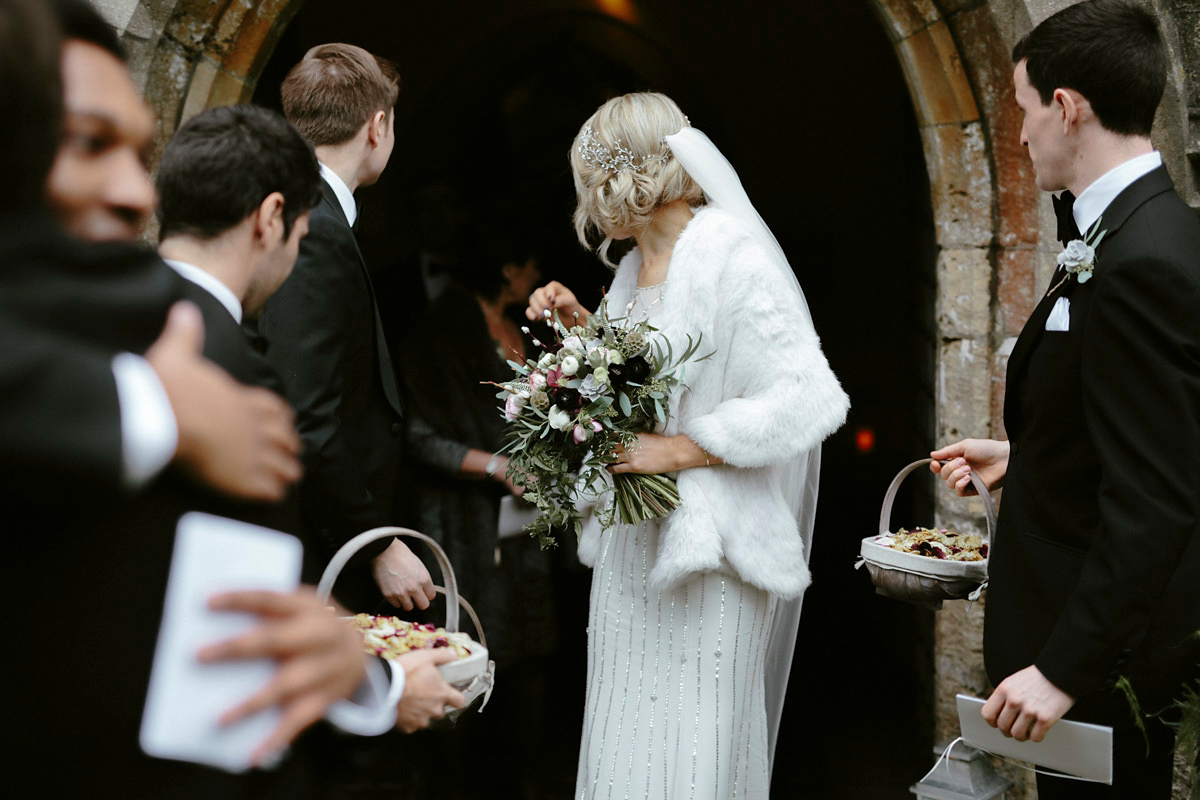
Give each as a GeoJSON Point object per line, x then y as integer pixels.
{"type": "Point", "coordinates": [608, 200]}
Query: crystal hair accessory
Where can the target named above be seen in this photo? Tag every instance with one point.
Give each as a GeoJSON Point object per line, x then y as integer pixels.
{"type": "Point", "coordinates": [595, 154]}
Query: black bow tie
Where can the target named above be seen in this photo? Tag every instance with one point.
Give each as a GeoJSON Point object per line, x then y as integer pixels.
{"type": "Point", "coordinates": [1064, 206]}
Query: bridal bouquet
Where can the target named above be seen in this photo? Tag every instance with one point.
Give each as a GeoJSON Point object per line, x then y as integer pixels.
{"type": "Point", "coordinates": [597, 386]}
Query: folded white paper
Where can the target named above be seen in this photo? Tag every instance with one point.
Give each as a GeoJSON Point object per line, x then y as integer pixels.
{"type": "Point", "coordinates": [514, 516]}
{"type": "Point", "coordinates": [186, 698]}
{"type": "Point", "coordinates": [1076, 748]}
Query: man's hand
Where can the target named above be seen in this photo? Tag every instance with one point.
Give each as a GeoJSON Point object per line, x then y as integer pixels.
{"type": "Point", "coordinates": [237, 439]}
{"type": "Point", "coordinates": [426, 695]}
{"type": "Point", "coordinates": [987, 457]}
{"type": "Point", "coordinates": [320, 660]}
{"type": "Point", "coordinates": [402, 577]}
{"type": "Point", "coordinates": [1025, 705]}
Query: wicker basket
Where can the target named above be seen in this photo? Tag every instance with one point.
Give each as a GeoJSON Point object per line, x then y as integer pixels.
{"type": "Point", "coordinates": [918, 579]}
{"type": "Point", "coordinates": [473, 675]}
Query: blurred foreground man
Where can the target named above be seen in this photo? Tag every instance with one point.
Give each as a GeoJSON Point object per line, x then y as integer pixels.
{"type": "Point", "coordinates": [80, 437]}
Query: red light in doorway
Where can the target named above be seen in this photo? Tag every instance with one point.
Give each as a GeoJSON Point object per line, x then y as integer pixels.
{"type": "Point", "coordinates": [864, 439]}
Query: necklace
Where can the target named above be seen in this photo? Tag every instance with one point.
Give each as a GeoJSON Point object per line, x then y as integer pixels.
{"type": "Point", "coordinates": [646, 298]}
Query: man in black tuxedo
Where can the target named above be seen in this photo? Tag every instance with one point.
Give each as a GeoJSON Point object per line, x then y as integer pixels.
{"type": "Point", "coordinates": [236, 186]}
{"type": "Point", "coordinates": [323, 334]}
{"type": "Point", "coordinates": [1095, 572]}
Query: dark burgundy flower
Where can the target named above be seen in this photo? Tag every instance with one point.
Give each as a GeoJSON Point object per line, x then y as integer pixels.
{"type": "Point", "coordinates": [637, 369]}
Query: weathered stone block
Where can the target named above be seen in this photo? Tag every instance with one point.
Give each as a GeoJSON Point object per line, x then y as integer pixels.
{"type": "Point", "coordinates": [931, 61]}
{"type": "Point", "coordinates": [990, 71]}
{"type": "Point", "coordinates": [211, 87]}
{"type": "Point", "coordinates": [903, 18]}
{"type": "Point", "coordinates": [166, 90]}
{"type": "Point", "coordinates": [963, 296]}
{"type": "Point", "coordinates": [250, 44]}
{"type": "Point", "coordinates": [1017, 288]}
{"type": "Point", "coordinates": [964, 389]}
{"type": "Point", "coordinates": [958, 647]}
{"type": "Point", "coordinates": [961, 184]}
{"type": "Point", "coordinates": [192, 21]}
{"type": "Point", "coordinates": [117, 12]}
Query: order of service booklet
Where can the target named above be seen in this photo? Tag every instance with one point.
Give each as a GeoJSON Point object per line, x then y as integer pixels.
{"type": "Point", "coordinates": [186, 698]}
{"type": "Point", "coordinates": [1075, 748]}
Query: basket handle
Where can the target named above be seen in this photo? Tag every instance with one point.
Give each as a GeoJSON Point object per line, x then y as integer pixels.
{"type": "Point", "coordinates": [885, 516]}
{"type": "Point", "coordinates": [346, 551]}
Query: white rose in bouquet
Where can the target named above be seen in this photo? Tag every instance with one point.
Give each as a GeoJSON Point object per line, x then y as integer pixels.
{"type": "Point", "coordinates": [559, 420]}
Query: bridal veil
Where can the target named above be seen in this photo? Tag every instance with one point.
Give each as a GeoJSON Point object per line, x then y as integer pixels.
{"type": "Point", "coordinates": [722, 188]}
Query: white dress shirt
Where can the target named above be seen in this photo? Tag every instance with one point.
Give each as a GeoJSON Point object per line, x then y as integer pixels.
{"type": "Point", "coordinates": [1096, 198]}
{"type": "Point", "coordinates": [208, 282]}
{"type": "Point", "coordinates": [1091, 205]}
{"type": "Point", "coordinates": [342, 191]}
{"type": "Point", "coordinates": [149, 434]}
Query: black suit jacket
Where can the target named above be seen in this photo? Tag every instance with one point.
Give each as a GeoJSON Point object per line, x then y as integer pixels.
{"type": "Point", "coordinates": [88, 559]}
{"type": "Point", "coordinates": [323, 336]}
{"type": "Point", "coordinates": [228, 345]}
{"type": "Point", "coordinates": [1096, 565]}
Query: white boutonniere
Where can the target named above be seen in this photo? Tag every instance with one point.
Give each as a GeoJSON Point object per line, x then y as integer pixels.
{"type": "Point", "coordinates": [1079, 256]}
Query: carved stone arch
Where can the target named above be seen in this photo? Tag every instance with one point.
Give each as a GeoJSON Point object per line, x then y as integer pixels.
{"type": "Point", "coordinates": [189, 55]}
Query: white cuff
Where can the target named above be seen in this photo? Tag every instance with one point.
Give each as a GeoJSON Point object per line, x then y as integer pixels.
{"type": "Point", "coordinates": [149, 434]}
{"type": "Point", "coordinates": [373, 709]}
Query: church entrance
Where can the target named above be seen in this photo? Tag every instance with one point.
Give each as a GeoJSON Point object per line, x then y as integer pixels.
{"type": "Point", "coordinates": [808, 101]}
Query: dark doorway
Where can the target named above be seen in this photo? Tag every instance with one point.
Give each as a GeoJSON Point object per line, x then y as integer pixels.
{"type": "Point", "coordinates": [807, 100]}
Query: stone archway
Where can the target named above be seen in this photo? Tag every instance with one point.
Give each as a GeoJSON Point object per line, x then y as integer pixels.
{"type": "Point", "coordinates": [189, 55]}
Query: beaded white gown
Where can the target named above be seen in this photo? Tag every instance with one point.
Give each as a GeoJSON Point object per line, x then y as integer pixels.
{"type": "Point", "coordinates": [675, 705]}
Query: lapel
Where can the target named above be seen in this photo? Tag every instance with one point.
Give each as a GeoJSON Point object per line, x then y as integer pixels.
{"type": "Point", "coordinates": [386, 373]}
{"type": "Point", "coordinates": [1118, 212]}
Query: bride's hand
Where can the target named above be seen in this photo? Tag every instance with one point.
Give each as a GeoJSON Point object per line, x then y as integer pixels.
{"type": "Point", "coordinates": [555, 296]}
{"type": "Point", "coordinates": [654, 454]}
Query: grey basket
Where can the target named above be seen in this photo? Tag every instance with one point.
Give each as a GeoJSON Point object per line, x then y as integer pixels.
{"type": "Point", "coordinates": [477, 679]}
{"type": "Point", "coordinates": [921, 580]}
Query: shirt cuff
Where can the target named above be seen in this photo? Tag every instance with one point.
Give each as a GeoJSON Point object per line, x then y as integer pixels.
{"type": "Point", "coordinates": [372, 710]}
{"type": "Point", "coordinates": [149, 434]}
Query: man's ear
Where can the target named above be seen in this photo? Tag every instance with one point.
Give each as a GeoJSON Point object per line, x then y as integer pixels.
{"type": "Point", "coordinates": [1072, 106]}
{"type": "Point", "coordinates": [268, 219]}
{"type": "Point", "coordinates": [377, 128]}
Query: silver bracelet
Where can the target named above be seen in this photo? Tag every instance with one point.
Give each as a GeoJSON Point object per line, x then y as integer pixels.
{"type": "Point", "coordinates": [493, 464]}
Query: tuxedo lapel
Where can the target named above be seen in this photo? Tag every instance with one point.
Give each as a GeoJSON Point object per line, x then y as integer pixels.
{"type": "Point", "coordinates": [1032, 332]}
{"type": "Point", "coordinates": [386, 373]}
{"type": "Point", "coordinates": [1148, 186]}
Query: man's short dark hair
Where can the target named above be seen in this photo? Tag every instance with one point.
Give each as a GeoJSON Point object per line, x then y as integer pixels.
{"type": "Point", "coordinates": [221, 164]}
{"type": "Point", "coordinates": [79, 20]}
{"type": "Point", "coordinates": [31, 95]}
{"type": "Point", "coordinates": [1110, 52]}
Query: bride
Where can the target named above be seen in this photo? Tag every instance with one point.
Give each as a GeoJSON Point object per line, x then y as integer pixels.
{"type": "Point", "coordinates": [693, 617]}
